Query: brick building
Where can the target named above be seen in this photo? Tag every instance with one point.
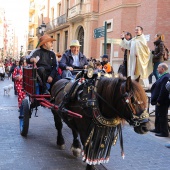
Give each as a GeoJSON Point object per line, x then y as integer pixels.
{"type": "Point", "coordinates": [77, 19]}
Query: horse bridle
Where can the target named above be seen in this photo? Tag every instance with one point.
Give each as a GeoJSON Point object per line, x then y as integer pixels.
{"type": "Point", "coordinates": [127, 97]}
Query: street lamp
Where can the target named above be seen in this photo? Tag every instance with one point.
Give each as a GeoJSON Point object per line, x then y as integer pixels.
{"type": "Point", "coordinates": [42, 28]}
{"type": "Point", "coordinates": [21, 51]}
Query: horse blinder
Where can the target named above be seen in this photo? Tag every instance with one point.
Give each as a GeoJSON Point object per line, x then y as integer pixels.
{"type": "Point", "coordinates": [135, 119]}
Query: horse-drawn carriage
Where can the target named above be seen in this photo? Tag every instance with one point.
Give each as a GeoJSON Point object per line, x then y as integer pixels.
{"type": "Point", "coordinates": [31, 87]}
{"type": "Point", "coordinates": [93, 106]}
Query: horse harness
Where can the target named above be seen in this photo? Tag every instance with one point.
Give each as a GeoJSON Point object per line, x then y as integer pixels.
{"type": "Point", "coordinates": [103, 132]}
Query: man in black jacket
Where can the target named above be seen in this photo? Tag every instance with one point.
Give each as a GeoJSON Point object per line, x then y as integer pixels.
{"type": "Point", "coordinates": [72, 59]}
{"type": "Point", "coordinates": [160, 98]}
{"type": "Point", "coordinates": [45, 60]}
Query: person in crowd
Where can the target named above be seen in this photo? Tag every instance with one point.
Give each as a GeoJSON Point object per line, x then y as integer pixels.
{"type": "Point", "coordinates": [106, 65]}
{"type": "Point", "coordinates": [72, 59]}
{"type": "Point", "coordinates": [58, 57]}
{"type": "Point", "coordinates": [45, 60]}
{"type": "Point", "coordinates": [160, 98]}
{"type": "Point", "coordinates": [158, 53]}
{"type": "Point", "coordinates": [8, 64]}
{"type": "Point", "coordinates": [139, 62]}
{"type": "Point", "coordinates": [2, 70]}
{"type": "Point", "coordinates": [168, 88]}
{"type": "Point", "coordinates": [128, 36]}
{"type": "Point", "coordinates": [12, 68]}
{"type": "Point", "coordinates": [18, 76]}
{"type": "Point", "coordinates": [14, 65]}
{"type": "Point", "coordinates": [99, 67]}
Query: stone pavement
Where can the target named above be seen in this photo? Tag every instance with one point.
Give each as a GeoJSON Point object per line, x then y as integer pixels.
{"type": "Point", "coordinates": [39, 152]}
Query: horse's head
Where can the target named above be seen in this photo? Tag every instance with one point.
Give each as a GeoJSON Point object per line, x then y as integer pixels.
{"type": "Point", "coordinates": [126, 99]}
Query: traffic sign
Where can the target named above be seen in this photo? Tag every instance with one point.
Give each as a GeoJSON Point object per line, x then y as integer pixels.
{"type": "Point", "coordinates": [99, 32]}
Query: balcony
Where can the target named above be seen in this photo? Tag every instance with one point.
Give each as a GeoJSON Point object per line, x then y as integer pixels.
{"type": "Point", "coordinates": [32, 8]}
{"type": "Point", "coordinates": [76, 12]}
{"type": "Point", "coordinates": [31, 35]}
{"type": "Point", "coordinates": [58, 22]}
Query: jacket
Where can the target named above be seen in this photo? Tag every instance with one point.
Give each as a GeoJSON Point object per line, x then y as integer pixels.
{"type": "Point", "coordinates": [107, 68]}
{"type": "Point", "coordinates": [159, 51]}
{"type": "Point", "coordinates": [159, 93]}
{"type": "Point", "coordinates": [67, 60]}
{"type": "Point", "coordinates": [47, 59]}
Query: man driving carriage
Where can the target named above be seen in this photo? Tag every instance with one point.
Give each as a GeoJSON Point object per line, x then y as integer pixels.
{"type": "Point", "coordinates": [45, 60]}
{"type": "Point", "coordinates": [72, 59]}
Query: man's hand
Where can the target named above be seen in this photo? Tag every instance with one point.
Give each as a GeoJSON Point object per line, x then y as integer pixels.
{"type": "Point", "coordinates": [50, 79]}
{"type": "Point", "coordinates": [157, 104]}
{"type": "Point", "coordinates": [122, 49]}
{"type": "Point", "coordinates": [122, 35]}
{"type": "Point", "coordinates": [18, 77]}
{"type": "Point", "coordinates": [33, 60]}
{"type": "Point", "coordinates": [69, 68]}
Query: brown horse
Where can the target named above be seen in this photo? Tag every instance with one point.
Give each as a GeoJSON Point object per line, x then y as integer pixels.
{"type": "Point", "coordinates": [104, 104]}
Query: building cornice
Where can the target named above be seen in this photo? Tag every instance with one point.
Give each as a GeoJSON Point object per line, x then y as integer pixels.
{"type": "Point", "coordinates": [129, 5]}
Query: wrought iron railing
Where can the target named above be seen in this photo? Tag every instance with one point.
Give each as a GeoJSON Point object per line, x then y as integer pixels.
{"type": "Point", "coordinates": [56, 22]}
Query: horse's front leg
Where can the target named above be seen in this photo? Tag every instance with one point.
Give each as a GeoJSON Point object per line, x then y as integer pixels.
{"type": "Point", "coordinates": [76, 146]}
{"type": "Point", "coordinates": [59, 125]}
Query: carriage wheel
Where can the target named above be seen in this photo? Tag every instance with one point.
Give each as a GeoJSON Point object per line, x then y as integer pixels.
{"type": "Point", "coordinates": [24, 118]}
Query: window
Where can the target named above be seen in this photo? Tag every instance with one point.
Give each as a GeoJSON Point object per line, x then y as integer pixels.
{"type": "Point", "coordinates": [58, 42]}
{"type": "Point", "coordinates": [59, 9]}
{"type": "Point", "coordinates": [67, 6]}
{"type": "Point", "coordinates": [66, 40]}
{"type": "Point", "coordinates": [52, 13]}
{"type": "Point", "coordinates": [81, 38]}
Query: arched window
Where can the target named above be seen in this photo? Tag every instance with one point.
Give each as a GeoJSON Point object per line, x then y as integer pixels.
{"type": "Point", "coordinates": [81, 38]}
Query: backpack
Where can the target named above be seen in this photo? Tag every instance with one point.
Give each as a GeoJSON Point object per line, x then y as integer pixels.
{"type": "Point", "coordinates": [166, 55]}
{"type": "Point", "coordinates": [168, 87]}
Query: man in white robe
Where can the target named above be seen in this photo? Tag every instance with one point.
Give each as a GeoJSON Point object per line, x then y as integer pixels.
{"type": "Point", "coordinates": [139, 60]}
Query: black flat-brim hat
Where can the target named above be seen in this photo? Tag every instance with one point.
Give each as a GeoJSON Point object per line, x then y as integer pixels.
{"type": "Point", "coordinates": [104, 56]}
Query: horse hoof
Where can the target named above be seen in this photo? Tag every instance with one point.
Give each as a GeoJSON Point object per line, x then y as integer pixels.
{"type": "Point", "coordinates": [60, 141]}
{"type": "Point", "coordinates": [61, 147]}
{"type": "Point", "coordinates": [76, 151]}
{"type": "Point", "coordinates": [90, 167]}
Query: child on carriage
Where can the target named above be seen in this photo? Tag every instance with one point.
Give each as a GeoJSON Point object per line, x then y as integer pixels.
{"type": "Point", "coordinates": [17, 76]}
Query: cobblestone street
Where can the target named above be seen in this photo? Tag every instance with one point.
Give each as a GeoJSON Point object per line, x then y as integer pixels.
{"type": "Point", "coordinates": [39, 152]}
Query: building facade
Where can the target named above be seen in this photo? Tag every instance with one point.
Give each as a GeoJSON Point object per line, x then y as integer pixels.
{"type": "Point", "coordinates": [77, 19]}
{"type": "Point", "coordinates": [33, 24]}
{"type": "Point", "coordinates": [8, 40]}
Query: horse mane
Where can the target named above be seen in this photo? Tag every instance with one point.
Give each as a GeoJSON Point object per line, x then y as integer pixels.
{"type": "Point", "coordinates": [109, 89]}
